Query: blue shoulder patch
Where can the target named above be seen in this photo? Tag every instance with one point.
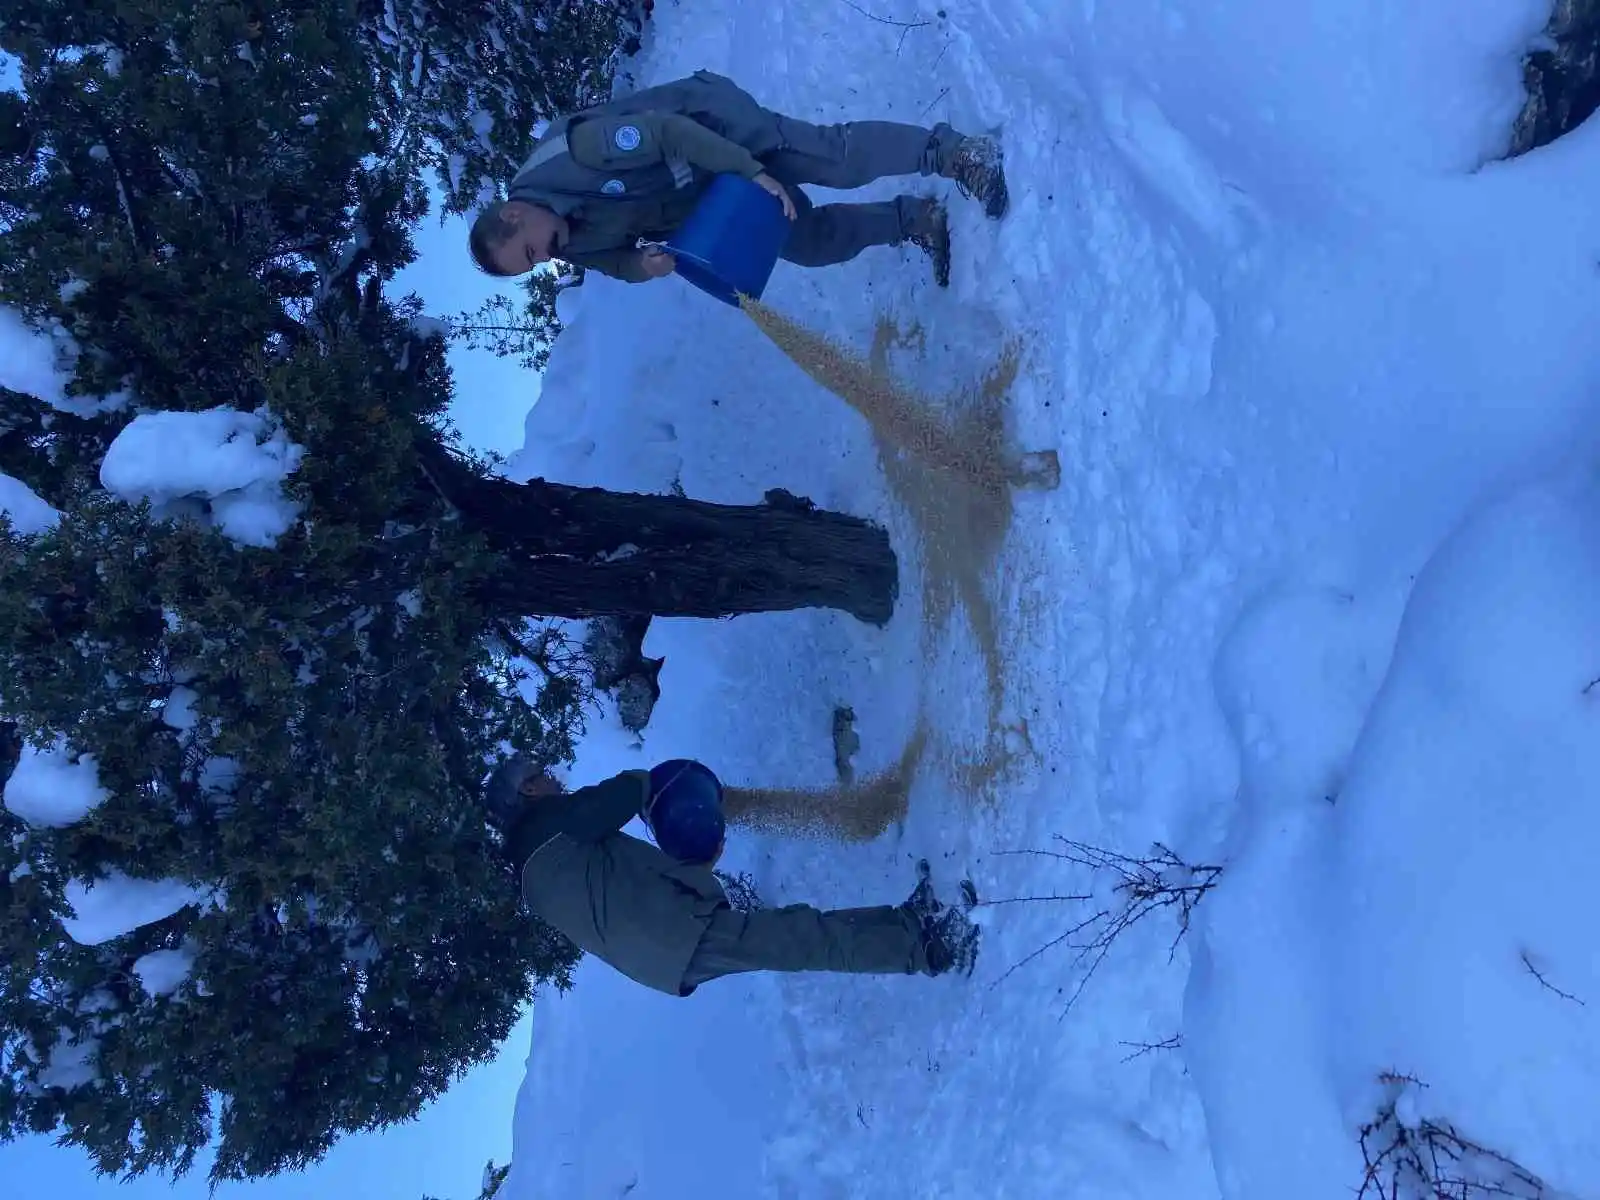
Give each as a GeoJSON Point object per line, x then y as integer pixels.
{"type": "Point", "coordinates": [628, 137]}
{"type": "Point", "coordinates": [613, 187]}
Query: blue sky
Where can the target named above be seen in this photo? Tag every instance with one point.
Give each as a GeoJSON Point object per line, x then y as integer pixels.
{"type": "Point", "coordinates": [443, 1152]}
{"type": "Point", "coordinates": [493, 395]}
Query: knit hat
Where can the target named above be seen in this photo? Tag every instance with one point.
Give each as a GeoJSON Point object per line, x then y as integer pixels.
{"type": "Point", "coordinates": [685, 810]}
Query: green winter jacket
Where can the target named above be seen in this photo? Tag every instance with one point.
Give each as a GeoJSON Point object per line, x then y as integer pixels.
{"type": "Point", "coordinates": [636, 167]}
{"type": "Point", "coordinates": [616, 897]}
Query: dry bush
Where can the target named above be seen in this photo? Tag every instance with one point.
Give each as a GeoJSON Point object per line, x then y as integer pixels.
{"type": "Point", "coordinates": [1410, 1157]}
{"type": "Point", "coordinates": [1140, 888]}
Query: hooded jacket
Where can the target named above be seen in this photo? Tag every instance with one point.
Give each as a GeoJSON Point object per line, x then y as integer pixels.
{"type": "Point", "coordinates": [615, 896]}
{"type": "Point", "coordinates": [636, 167]}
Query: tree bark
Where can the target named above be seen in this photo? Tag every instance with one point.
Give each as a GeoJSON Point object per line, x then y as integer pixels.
{"type": "Point", "coordinates": [625, 554]}
{"type": "Point", "coordinates": [585, 552]}
{"type": "Point", "coordinates": [10, 747]}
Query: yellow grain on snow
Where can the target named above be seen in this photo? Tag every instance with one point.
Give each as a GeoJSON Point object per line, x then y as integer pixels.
{"type": "Point", "coordinates": [973, 449]}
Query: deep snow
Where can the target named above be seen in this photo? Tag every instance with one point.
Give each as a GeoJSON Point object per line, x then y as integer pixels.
{"type": "Point", "coordinates": [1417, 910]}
{"type": "Point", "coordinates": [1301, 345]}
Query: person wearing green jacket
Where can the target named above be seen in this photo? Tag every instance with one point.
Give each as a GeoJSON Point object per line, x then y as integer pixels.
{"type": "Point", "coordinates": [667, 923]}
{"type": "Point", "coordinates": [601, 182]}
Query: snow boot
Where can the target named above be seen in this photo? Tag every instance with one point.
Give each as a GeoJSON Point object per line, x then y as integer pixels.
{"type": "Point", "coordinates": [923, 904]}
{"type": "Point", "coordinates": [950, 936]}
{"type": "Point", "coordinates": [929, 231]}
{"type": "Point", "coordinates": [979, 169]}
{"type": "Point", "coordinates": [952, 943]}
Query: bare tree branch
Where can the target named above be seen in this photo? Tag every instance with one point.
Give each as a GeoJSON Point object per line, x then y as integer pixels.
{"type": "Point", "coordinates": [1143, 886]}
{"type": "Point", "coordinates": [1411, 1159]}
{"type": "Point", "coordinates": [1140, 1049]}
{"type": "Point", "coordinates": [886, 20]}
{"type": "Point", "coordinates": [1546, 984]}
{"type": "Point", "coordinates": [1034, 899]}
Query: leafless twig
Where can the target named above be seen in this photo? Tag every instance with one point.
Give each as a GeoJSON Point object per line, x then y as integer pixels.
{"type": "Point", "coordinates": [941, 95]}
{"type": "Point", "coordinates": [1546, 984]}
{"type": "Point", "coordinates": [1033, 899]}
{"type": "Point", "coordinates": [1140, 1049]}
{"type": "Point", "coordinates": [886, 20]}
{"type": "Point", "coordinates": [1143, 886]}
{"type": "Point", "coordinates": [1412, 1159]}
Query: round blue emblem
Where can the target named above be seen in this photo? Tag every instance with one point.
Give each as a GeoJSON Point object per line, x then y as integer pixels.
{"type": "Point", "coordinates": [628, 137]}
{"type": "Point", "coordinates": [613, 187]}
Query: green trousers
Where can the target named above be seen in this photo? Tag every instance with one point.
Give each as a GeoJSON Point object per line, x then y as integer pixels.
{"type": "Point", "coordinates": [858, 941]}
{"type": "Point", "coordinates": [851, 156]}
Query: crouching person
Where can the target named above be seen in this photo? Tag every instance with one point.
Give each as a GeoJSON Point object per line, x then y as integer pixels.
{"type": "Point", "coordinates": [661, 918]}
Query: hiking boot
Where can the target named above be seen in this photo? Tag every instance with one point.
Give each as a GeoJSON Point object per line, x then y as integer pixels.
{"type": "Point", "coordinates": [949, 935]}
{"type": "Point", "coordinates": [923, 904]}
{"type": "Point", "coordinates": [950, 943]}
{"type": "Point", "coordinates": [929, 231]}
{"type": "Point", "coordinates": [978, 167]}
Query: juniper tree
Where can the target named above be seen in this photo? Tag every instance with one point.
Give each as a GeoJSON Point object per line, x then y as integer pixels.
{"type": "Point", "coordinates": [205, 215]}
{"type": "Point", "coordinates": [476, 77]}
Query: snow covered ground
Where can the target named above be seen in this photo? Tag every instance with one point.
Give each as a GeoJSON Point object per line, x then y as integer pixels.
{"type": "Point", "coordinates": [1316, 603]}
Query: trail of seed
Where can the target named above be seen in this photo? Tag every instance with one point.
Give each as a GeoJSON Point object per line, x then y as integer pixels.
{"type": "Point", "coordinates": [951, 469]}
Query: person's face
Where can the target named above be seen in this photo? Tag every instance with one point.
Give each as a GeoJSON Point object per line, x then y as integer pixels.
{"type": "Point", "coordinates": [538, 786]}
{"type": "Point", "coordinates": [539, 235]}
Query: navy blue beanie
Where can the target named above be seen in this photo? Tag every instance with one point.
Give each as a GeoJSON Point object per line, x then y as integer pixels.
{"type": "Point", "coordinates": [686, 810]}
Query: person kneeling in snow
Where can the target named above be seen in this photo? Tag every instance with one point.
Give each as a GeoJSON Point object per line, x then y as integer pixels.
{"type": "Point", "coordinates": [665, 921]}
{"type": "Point", "coordinates": [602, 181]}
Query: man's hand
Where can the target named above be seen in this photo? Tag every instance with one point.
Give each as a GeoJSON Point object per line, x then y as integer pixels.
{"type": "Point", "coordinates": [770, 185]}
{"type": "Point", "coordinates": [539, 784]}
{"type": "Point", "coordinates": [658, 264]}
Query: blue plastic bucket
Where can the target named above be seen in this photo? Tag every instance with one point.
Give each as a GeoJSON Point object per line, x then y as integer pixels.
{"type": "Point", "coordinates": [731, 242]}
{"type": "Point", "coordinates": [685, 814]}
